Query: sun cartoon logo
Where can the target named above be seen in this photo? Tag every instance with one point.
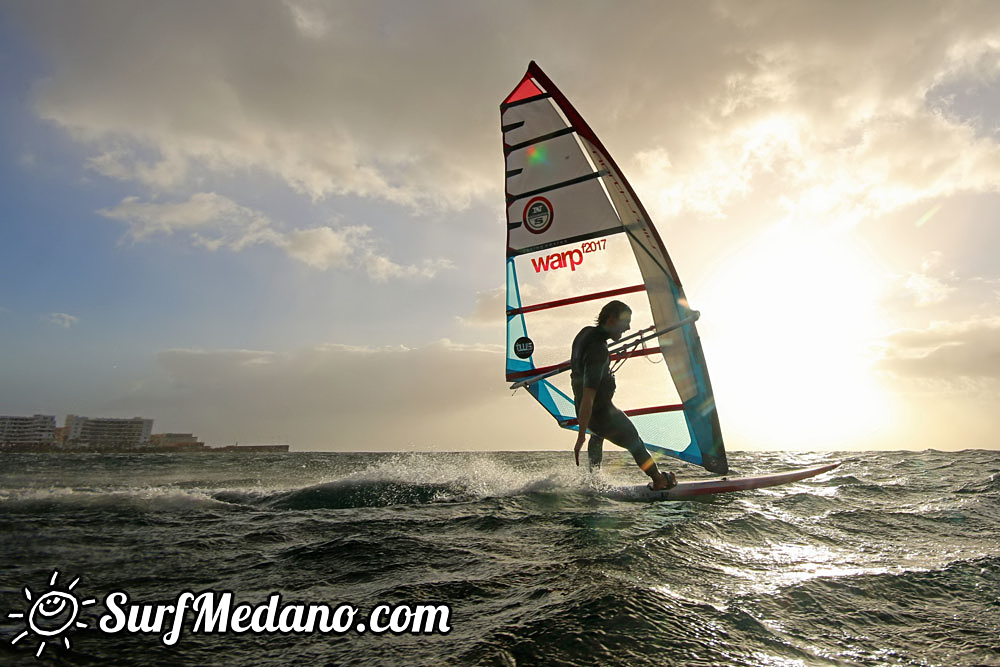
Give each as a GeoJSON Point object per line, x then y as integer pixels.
{"type": "Point", "coordinates": [51, 614]}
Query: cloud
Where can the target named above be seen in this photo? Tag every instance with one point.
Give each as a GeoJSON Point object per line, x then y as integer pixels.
{"type": "Point", "coordinates": [943, 287]}
{"type": "Point", "coordinates": [63, 320]}
{"type": "Point", "coordinates": [210, 220]}
{"type": "Point", "coordinates": [325, 247]}
{"type": "Point", "coordinates": [165, 95]}
{"type": "Point", "coordinates": [946, 352]}
{"type": "Point", "coordinates": [338, 397]}
{"type": "Point", "coordinates": [309, 18]}
{"type": "Point", "coordinates": [124, 162]}
{"type": "Point", "coordinates": [382, 269]}
{"type": "Point", "coordinates": [931, 284]}
{"type": "Point", "coordinates": [807, 116]}
{"type": "Point", "coordinates": [214, 221]}
{"type": "Point", "coordinates": [958, 350]}
{"type": "Point", "coordinates": [488, 311]}
{"type": "Point", "coordinates": [370, 99]}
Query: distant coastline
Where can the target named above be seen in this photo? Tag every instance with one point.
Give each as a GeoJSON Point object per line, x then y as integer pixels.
{"type": "Point", "coordinates": [185, 448]}
{"type": "Point", "coordinates": [106, 435]}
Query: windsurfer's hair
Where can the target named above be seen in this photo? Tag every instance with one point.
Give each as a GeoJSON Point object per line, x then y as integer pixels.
{"type": "Point", "coordinates": [612, 309]}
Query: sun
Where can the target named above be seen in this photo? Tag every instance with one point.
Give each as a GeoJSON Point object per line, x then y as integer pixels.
{"type": "Point", "coordinates": [792, 347]}
{"type": "Point", "coordinates": [51, 614]}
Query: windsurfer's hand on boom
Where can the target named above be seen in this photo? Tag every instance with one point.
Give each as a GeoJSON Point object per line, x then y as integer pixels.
{"type": "Point", "coordinates": [583, 419]}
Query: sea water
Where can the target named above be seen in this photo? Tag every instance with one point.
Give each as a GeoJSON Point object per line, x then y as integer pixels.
{"type": "Point", "coordinates": [891, 559]}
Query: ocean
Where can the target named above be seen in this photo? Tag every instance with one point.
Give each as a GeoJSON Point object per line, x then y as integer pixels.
{"type": "Point", "coordinates": [508, 558]}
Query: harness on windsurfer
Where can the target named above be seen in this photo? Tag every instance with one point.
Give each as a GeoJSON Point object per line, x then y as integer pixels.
{"type": "Point", "coordinates": [594, 387]}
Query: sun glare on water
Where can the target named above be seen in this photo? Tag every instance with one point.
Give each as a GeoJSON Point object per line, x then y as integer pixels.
{"type": "Point", "coordinates": [789, 340]}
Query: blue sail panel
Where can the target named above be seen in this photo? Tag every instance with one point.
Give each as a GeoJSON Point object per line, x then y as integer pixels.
{"type": "Point", "coordinates": [667, 433]}
{"type": "Point", "coordinates": [555, 401]}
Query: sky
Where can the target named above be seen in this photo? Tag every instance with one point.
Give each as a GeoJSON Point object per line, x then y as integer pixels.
{"type": "Point", "coordinates": [283, 221]}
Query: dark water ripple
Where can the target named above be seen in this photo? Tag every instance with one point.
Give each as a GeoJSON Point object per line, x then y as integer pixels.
{"type": "Point", "coordinates": [892, 559]}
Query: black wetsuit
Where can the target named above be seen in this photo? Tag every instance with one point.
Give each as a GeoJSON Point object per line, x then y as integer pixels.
{"type": "Point", "coordinates": [590, 366]}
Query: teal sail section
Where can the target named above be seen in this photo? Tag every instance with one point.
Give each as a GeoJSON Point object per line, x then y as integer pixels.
{"type": "Point", "coordinates": [554, 400]}
{"type": "Point", "coordinates": [577, 236]}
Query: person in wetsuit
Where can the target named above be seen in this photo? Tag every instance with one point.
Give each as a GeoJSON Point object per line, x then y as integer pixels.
{"type": "Point", "coordinates": [593, 388]}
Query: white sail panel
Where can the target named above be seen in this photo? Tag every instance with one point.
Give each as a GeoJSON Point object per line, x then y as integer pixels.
{"type": "Point", "coordinates": [553, 193]}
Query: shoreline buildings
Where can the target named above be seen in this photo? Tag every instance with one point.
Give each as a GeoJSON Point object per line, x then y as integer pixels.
{"type": "Point", "coordinates": [86, 432]}
{"type": "Point", "coordinates": [39, 433]}
{"type": "Point", "coordinates": [37, 430]}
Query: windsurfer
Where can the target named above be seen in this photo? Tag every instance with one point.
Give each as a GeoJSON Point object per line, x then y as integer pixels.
{"type": "Point", "coordinates": [593, 388]}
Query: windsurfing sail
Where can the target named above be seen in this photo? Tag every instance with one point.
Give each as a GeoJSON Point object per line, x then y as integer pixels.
{"type": "Point", "coordinates": [577, 237]}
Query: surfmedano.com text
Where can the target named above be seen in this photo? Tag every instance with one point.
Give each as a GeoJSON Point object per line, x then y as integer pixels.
{"type": "Point", "coordinates": [215, 613]}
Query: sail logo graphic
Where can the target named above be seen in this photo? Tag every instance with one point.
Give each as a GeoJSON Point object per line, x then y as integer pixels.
{"type": "Point", "coordinates": [538, 215]}
{"type": "Point", "coordinates": [524, 347]}
{"type": "Point", "coordinates": [51, 614]}
{"type": "Point", "coordinates": [558, 260]}
{"type": "Point", "coordinates": [571, 258]}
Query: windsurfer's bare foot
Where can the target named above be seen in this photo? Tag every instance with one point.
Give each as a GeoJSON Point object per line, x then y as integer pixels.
{"type": "Point", "coordinates": [663, 481]}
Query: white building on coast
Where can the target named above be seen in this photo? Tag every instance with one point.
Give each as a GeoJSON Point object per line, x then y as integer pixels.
{"type": "Point", "coordinates": [107, 432]}
{"type": "Point", "coordinates": [37, 430]}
